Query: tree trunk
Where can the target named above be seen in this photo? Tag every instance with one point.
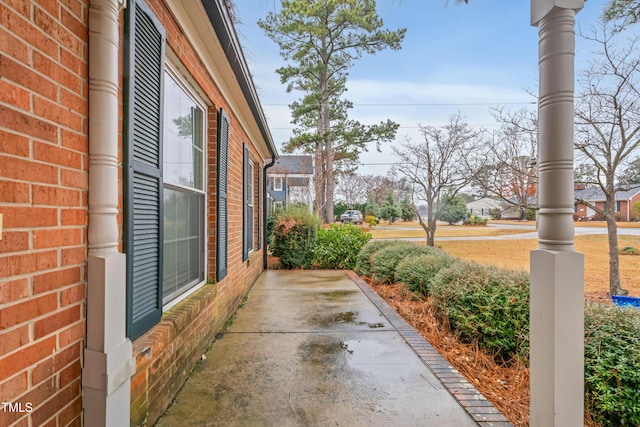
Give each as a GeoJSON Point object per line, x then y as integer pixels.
{"type": "Point", "coordinates": [318, 178]}
{"type": "Point", "coordinates": [612, 231]}
{"type": "Point", "coordinates": [320, 160]}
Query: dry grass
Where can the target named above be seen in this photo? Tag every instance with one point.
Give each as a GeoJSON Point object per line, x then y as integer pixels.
{"type": "Point", "coordinates": [514, 254]}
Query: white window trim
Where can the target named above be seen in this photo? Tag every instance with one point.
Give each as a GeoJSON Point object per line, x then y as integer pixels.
{"type": "Point", "coordinates": [188, 85]}
{"type": "Point", "coordinates": [276, 180]}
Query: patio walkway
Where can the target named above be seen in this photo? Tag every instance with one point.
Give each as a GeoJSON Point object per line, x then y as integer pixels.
{"type": "Point", "coordinates": [320, 348]}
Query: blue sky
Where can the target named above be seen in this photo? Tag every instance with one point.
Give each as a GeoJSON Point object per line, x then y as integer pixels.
{"type": "Point", "coordinates": [454, 59]}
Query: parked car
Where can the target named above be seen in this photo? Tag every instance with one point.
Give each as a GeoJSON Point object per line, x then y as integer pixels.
{"type": "Point", "coordinates": [351, 216]}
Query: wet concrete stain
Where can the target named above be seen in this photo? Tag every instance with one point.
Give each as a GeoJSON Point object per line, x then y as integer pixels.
{"type": "Point", "coordinates": [327, 320]}
{"type": "Point", "coordinates": [338, 296]}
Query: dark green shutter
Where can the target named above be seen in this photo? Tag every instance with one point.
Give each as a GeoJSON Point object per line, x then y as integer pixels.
{"type": "Point", "coordinates": [245, 206]}
{"type": "Point", "coordinates": [222, 202]}
{"type": "Point", "coordinates": [144, 65]}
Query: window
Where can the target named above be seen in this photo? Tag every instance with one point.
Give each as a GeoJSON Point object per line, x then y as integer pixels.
{"type": "Point", "coordinates": [164, 201]}
{"type": "Point", "coordinates": [277, 183]}
{"type": "Point", "coordinates": [184, 196]}
{"type": "Point", "coordinates": [248, 211]}
{"type": "Point", "coordinates": [618, 206]}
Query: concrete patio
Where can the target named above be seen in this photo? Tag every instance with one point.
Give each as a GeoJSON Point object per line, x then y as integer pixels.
{"type": "Point", "coordinates": [318, 348]}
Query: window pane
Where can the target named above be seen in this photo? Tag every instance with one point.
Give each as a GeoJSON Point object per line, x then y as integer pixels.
{"type": "Point", "coordinates": [182, 136]}
{"type": "Point", "coordinates": [183, 257]}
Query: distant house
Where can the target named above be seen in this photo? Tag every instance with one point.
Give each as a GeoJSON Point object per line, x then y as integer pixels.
{"type": "Point", "coordinates": [290, 180]}
{"type": "Point", "coordinates": [595, 196]}
{"type": "Point", "coordinates": [482, 207]}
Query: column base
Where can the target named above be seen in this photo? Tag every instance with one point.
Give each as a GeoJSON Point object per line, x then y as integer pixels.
{"type": "Point", "coordinates": [557, 338]}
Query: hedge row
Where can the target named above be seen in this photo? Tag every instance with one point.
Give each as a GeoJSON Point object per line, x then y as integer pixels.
{"type": "Point", "coordinates": [490, 306]}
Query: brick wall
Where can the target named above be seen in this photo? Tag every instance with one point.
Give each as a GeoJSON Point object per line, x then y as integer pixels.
{"type": "Point", "coordinates": [43, 199]}
{"type": "Point", "coordinates": [169, 351]}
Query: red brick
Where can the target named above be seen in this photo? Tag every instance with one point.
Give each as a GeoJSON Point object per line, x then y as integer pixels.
{"type": "Point", "coordinates": [21, 312]}
{"type": "Point", "coordinates": [70, 416]}
{"type": "Point", "coordinates": [70, 373]}
{"type": "Point", "coordinates": [74, 255]}
{"type": "Point", "coordinates": [56, 321]}
{"type": "Point", "coordinates": [19, 6]}
{"type": "Point", "coordinates": [11, 94]}
{"type": "Point", "coordinates": [28, 170]}
{"type": "Point", "coordinates": [77, 7]}
{"type": "Point", "coordinates": [55, 72]}
{"type": "Point", "coordinates": [72, 334]}
{"type": "Point", "coordinates": [10, 389]}
{"type": "Point", "coordinates": [61, 34]}
{"type": "Point", "coordinates": [51, 6]}
{"type": "Point", "coordinates": [11, 143]}
{"type": "Point", "coordinates": [38, 393]}
{"type": "Point", "coordinates": [75, 217]}
{"type": "Point", "coordinates": [72, 295]}
{"type": "Point", "coordinates": [76, 64]}
{"type": "Point", "coordinates": [76, 103]}
{"type": "Point", "coordinates": [55, 279]}
{"type": "Point", "coordinates": [43, 413]}
{"type": "Point", "coordinates": [55, 154]}
{"type": "Point", "coordinates": [14, 290]}
{"type": "Point", "coordinates": [13, 339]}
{"type": "Point", "coordinates": [57, 113]}
{"type": "Point", "coordinates": [14, 241]}
{"type": "Point", "coordinates": [75, 141]}
{"type": "Point", "coordinates": [42, 371]}
{"type": "Point", "coordinates": [54, 196]}
{"type": "Point", "coordinates": [56, 237]}
{"type": "Point", "coordinates": [26, 77]}
{"type": "Point", "coordinates": [77, 27]}
{"type": "Point", "coordinates": [14, 265]}
{"type": "Point", "coordinates": [14, 192]}
{"type": "Point", "coordinates": [27, 124]}
{"type": "Point", "coordinates": [26, 357]}
{"type": "Point", "coordinates": [14, 47]}
{"type": "Point", "coordinates": [46, 260]}
{"type": "Point", "coordinates": [76, 179]}
{"type": "Point", "coordinates": [28, 217]}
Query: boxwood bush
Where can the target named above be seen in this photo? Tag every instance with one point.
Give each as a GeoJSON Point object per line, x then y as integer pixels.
{"type": "Point", "coordinates": [294, 238]}
{"type": "Point", "coordinates": [485, 304]}
{"type": "Point", "coordinates": [417, 270]}
{"type": "Point", "coordinates": [612, 364]}
{"type": "Point", "coordinates": [385, 261]}
{"type": "Point", "coordinates": [338, 246]}
{"type": "Point", "coordinates": [363, 260]}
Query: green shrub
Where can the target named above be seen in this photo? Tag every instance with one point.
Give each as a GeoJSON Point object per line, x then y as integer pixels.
{"type": "Point", "coordinates": [629, 250]}
{"type": "Point", "coordinates": [295, 238]}
{"type": "Point", "coordinates": [338, 246]}
{"type": "Point", "coordinates": [385, 261]}
{"type": "Point", "coordinates": [485, 304]}
{"type": "Point", "coordinates": [417, 270]}
{"type": "Point", "coordinates": [363, 260]}
{"type": "Point", "coordinates": [612, 364]}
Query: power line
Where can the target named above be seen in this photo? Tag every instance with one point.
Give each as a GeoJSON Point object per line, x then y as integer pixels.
{"type": "Point", "coordinates": [435, 104]}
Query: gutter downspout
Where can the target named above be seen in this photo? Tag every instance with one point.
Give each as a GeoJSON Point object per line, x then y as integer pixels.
{"type": "Point", "coordinates": [108, 362]}
{"type": "Point", "coordinates": [265, 210]}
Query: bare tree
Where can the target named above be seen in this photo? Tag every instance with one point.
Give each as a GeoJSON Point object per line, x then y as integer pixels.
{"type": "Point", "coordinates": [608, 126]}
{"type": "Point", "coordinates": [434, 166]}
{"type": "Point", "coordinates": [508, 171]}
{"type": "Point", "coordinates": [352, 187]}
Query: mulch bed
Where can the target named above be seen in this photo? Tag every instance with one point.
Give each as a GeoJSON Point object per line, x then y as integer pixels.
{"type": "Point", "coordinates": [507, 387]}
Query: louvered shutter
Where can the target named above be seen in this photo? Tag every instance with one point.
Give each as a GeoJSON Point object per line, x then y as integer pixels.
{"type": "Point", "coordinates": [144, 64]}
{"type": "Point", "coordinates": [260, 213]}
{"type": "Point", "coordinates": [245, 210]}
{"type": "Point", "coordinates": [222, 203]}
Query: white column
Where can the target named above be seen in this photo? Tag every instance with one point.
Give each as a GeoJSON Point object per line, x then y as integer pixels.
{"type": "Point", "coordinates": [557, 271]}
{"type": "Point", "coordinates": [108, 361]}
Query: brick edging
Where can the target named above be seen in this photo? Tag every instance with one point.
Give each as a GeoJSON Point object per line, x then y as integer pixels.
{"type": "Point", "coordinates": [476, 405]}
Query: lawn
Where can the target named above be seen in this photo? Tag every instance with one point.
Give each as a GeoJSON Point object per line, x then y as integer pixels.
{"type": "Point", "coordinates": [514, 254]}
